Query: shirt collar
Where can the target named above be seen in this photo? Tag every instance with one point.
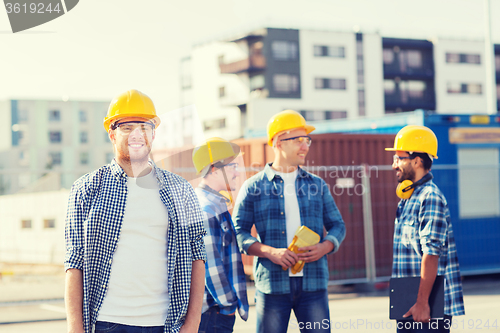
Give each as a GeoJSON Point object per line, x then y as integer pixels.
{"type": "Point", "coordinates": [270, 173]}
{"type": "Point", "coordinates": [120, 174]}
{"type": "Point", "coordinates": [213, 194]}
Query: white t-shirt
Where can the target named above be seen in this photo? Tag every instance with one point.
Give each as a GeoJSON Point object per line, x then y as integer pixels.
{"type": "Point", "coordinates": [137, 292]}
{"type": "Point", "coordinates": [292, 210]}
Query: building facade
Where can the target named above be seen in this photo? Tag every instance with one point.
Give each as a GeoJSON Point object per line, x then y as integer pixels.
{"type": "Point", "coordinates": [50, 139]}
{"type": "Point", "coordinates": [238, 84]}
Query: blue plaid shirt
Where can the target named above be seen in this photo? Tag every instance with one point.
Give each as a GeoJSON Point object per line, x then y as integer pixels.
{"type": "Point", "coordinates": [96, 207]}
{"type": "Point", "coordinates": [423, 225]}
{"type": "Point", "coordinates": [261, 202]}
{"type": "Point", "coordinates": [225, 283]}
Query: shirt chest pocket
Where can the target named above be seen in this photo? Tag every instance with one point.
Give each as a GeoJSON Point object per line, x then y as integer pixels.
{"type": "Point", "coordinates": [408, 232]}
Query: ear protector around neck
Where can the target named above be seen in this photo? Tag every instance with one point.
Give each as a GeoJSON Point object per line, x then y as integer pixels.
{"type": "Point", "coordinates": [406, 187]}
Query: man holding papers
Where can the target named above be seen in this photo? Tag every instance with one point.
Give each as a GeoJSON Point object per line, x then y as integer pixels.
{"type": "Point", "coordinates": [279, 200]}
{"type": "Point", "coordinates": [423, 237]}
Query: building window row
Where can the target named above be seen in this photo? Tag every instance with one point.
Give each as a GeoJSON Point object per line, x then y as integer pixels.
{"type": "Point", "coordinates": [405, 58]}
{"type": "Point", "coordinates": [55, 137]}
{"type": "Point", "coordinates": [329, 51]}
{"type": "Point", "coordinates": [214, 124]}
{"type": "Point", "coordinates": [329, 83]}
{"type": "Point", "coordinates": [464, 88]}
{"type": "Point", "coordinates": [323, 115]}
{"type": "Point", "coordinates": [47, 224]}
{"type": "Point", "coordinates": [54, 115]}
{"type": "Point", "coordinates": [410, 88]}
{"type": "Point", "coordinates": [286, 83]}
{"type": "Point", "coordinates": [463, 58]}
{"type": "Point", "coordinates": [285, 50]}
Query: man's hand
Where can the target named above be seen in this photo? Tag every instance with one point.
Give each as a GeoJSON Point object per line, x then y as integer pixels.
{"type": "Point", "coordinates": [283, 257]}
{"type": "Point", "coordinates": [315, 252]}
{"type": "Point", "coordinates": [420, 311]}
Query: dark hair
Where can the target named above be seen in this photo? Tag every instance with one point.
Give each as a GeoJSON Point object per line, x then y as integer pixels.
{"type": "Point", "coordinates": [426, 160]}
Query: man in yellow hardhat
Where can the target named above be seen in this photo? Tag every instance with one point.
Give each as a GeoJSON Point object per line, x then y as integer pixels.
{"type": "Point", "coordinates": [423, 236]}
{"type": "Point", "coordinates": [279, 200]}
{"type": "Point", "coordinates": [134, 236]}
{"type": "Point", "coordinates": [225, 282]}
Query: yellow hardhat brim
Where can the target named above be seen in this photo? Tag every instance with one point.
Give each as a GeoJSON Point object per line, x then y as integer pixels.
{"type": "Point", "coordinates": [307, 128]}
{"type": "Point", "coordinates": [423, 152]}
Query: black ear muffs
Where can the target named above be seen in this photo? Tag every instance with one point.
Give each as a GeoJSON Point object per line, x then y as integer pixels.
{"type": "Point", "coordinates": [406, 187]}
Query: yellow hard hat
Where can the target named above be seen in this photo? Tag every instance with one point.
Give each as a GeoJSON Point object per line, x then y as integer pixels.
{"type": "Point", "coordinates": [215, 151]}
{"type": "Point", "coordinates": [131, 103]}
{"type": "Point", "coordinates": [285, 121]}
{"type": "Point", "coordinates": [418, 139]}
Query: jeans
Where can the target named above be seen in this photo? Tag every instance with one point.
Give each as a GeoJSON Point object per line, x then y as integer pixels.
{"type": "Point", "coordinates": [214, 322]}
{"type": "Point", "coordinates": [435, 326]}
{"type": "Point", "coordinates": [105, 327]}
{"type": "Point", "coordinates": [310, 308]}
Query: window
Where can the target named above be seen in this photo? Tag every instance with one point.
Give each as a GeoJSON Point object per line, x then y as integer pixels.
{"type": "Point", "coordinates": [323, 115]}
{"type": "Point", "coordinates": [83, 137]}
{"type": "Point", "coordinates": [24, 157]}
{"type": "Point", "coordinates": [284, 50]}
{"type": "Point", "coordinates": [214, 124]}
{"type": "Point", "coordinates": [285, 83]}
{"type": "Point", "coordinates": [84, 158]}
{"type": "Point", "coordinates": [388, 55]}
{"type": "Point", "coordinates": [414, 58]}
{"type": "Point", "coordinates": [222, 92]}
{"type": "Point", "coordinates": [415, 89]}
{"type": "Point", "coordinates": [463, 58]}
{"type": "Point", "coordinates": [464, 88]}
{"type": "Point", "coordinates": [49, 223]}
{"type": "Point", "coordinates": [55, 158]}
{"type": "Point", "coordinates": [389, 87]}
{"type": "Point", "coordinates": [83, 116]}
{"type": "Point", "coordinates": [324, 83]}
{"type": "Point", "coordinates": [55, 136]}
{"type": "Point", "coordinates": [497, 62]}
{"type": "Point", "coordinates": [26, 224]}
{"type": "Point", "coordinates": [329, 51]}
{"type": "Point", "coordinates": [54, 115]}
{"type": "Point", "coordinates": [22, 115]}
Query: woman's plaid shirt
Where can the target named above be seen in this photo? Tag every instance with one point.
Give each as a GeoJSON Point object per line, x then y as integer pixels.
{"type": "Point", "coordinates": [96, 207]}
{"type": "Point", "coordinates": [423, 225]}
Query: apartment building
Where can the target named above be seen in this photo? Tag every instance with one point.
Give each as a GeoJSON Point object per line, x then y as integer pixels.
{"type": "Point", "coordinates": [49, 138]}
{"type": "Point", "coordinates": [238, 84]}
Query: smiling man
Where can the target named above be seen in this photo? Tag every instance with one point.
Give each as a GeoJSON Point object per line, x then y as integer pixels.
{"type": "Point", "coordinates": [134, 236]}
{"type": "Point", "coordinates": [278, 200]}
{"type": "Point", "coordinates": [423, 235]}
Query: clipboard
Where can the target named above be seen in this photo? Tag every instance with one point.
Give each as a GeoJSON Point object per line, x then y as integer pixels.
{"type": "Point", "coordinates": [403, 295]}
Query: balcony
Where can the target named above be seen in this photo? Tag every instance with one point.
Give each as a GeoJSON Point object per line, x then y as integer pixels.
{"type": "Point", "coordinates": [410, 101]}
{"type": "Point", "coordinates": [253, 63]}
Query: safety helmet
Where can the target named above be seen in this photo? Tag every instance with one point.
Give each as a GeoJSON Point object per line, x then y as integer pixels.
{"type": "Point", "coordinates": [131, 103]}
{"type": "Point", "coordinates": [215, 151]}
{"type": "Point", "coordinates": [417, 139]}
{"type": "Point", "coordinates": [285, 121]}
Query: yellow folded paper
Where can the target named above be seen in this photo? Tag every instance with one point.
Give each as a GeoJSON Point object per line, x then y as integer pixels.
{"type": "Point", "coordinates": [303, 237]}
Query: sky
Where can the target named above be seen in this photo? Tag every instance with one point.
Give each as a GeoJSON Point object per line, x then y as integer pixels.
{"type": "Point", "coordinates": [102, 48]}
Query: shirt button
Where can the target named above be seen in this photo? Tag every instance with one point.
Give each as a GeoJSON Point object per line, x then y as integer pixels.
{"type": "Point", "coordinates": [281, 196]}
{"type": "Point", "coordinates": [282, 232]}
{"type": "Point", "coordinates": [281, 213]}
